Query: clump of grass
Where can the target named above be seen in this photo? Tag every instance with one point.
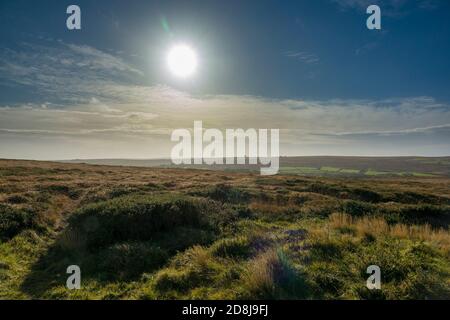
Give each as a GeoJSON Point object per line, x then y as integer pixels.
{"type": "Point", "coordinates": [366, 195]}
{"type": "Point", "coordinates": [69, 191]}
{"type": "Point", "coordinates": [410, 197]}
{"type": "Point", "coordinates": [228, 194]}
{"type": "Point", "coordinates": [358, 208]}
{"type": "Point", "coordinates": [121, 191]}
{"type": "Point", "coordinates": [17, 199]}
{"type": "Point", "coordinates": [326, 279]}
{"type": "Point", "coordinates": [241, 247]}
{"type": "Point", "coordinates": [324, 188]}
{"type": "Point", "coordinates": [238, 247]}
{"type": "Point", "coordinates": [271, 275]}
{"type": "Point", "coordinates": [436, 215]}
{"type": "Point", "coordinates": [130, 260]}
{"type": "Point", "coordinates": [189, 270]}
{"type": "Point", "coordinates": [13, 221]}
{"type": "Point", "coordinates": [377, 226]}
{"type": "Point", "coordinates": [271, 211]}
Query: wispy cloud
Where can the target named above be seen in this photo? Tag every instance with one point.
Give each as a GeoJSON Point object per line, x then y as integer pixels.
{"type": "Point", "coordinates": [431, 129]}
{"type": "Point", "coordinates": [366, 48]}
{"type": "Point", "coordinates": [303, 56]}
{"type": "Point", "coordinates": [64, 71]}
{"type": "Point", "coordinates": [307, 127]}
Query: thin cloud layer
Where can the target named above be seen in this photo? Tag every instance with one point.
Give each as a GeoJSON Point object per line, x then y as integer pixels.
{"type": "Point", "coordinates": [98, 107]}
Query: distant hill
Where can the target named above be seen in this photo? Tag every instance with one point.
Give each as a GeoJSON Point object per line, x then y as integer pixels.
{"type": "Point", "coordinates": [315, 165]}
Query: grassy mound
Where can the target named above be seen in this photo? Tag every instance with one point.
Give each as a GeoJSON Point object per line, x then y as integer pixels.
{"type": "Point", "coordinates": [142, 218]}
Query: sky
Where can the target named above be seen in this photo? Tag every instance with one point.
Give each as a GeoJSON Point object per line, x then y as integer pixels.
{"type": "Point", "coordinates": [309, 68]}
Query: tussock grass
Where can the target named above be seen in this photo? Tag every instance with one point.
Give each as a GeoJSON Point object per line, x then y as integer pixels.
{"type": "Point", "coordinates": [190, 270]}
{"type": "Point", "coordinates": [225, 193]}
{"type": "Point", "coordinates": [377, 226]}
{"type": "Point", "coordinates": [271, 275]}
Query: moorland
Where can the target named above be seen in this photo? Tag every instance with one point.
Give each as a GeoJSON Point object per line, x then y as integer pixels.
{"type": "Point", "coordinates": [168, 233]}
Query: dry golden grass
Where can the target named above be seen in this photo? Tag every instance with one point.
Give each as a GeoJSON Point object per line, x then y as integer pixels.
{"type": "Point", "coordinates": [260, 278]}
{"type": "Point", "coordinates": [377, 226]}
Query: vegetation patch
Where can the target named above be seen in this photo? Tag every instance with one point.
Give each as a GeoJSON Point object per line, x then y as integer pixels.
{"type": "Point", "coordinates": [13, 221]}
{"type": "Point", "coordinates": [139, 218]}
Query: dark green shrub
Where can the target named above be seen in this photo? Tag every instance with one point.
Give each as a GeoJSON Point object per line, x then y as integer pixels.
{"type": "Point", "coordinates": [13, 221]}
{"type": "Point", "coordinates": [357, 208]}
{"type": "Point", "coordinates": [121, 191]}
{"type": "Point", "coordinates": [438, 216]}
{"type": "Point", "coordinates": [17, 199]}
{"type": "Point", "coordinates": [62, 189]}
{"type": "Point", "coordinates": [327, 250]}
{"type": "Point", "coordinates": [366, 195]}
{"type": "Point", "coordinates": [367, 294]}
{"type": "Point", "coordinates": [139, 218]}
{"type": "Point", "coordinates": [243, 211]}
{"type": "Point", "coordinates": [228, 194]}
{"type": "Point", "coordinates": [323, 188]}
{"type": "Point", "coordinates": [410, 197]}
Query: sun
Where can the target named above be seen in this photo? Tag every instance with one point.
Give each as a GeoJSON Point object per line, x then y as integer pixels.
{"type": "Point", "coordinates": [182, 61]}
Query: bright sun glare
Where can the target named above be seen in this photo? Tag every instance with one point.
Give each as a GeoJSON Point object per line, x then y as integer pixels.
{"type": "Point", "coordinates": [182, 61]}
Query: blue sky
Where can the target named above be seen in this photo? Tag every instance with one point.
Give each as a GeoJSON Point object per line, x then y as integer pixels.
{"type": "Point", "coordinates": [309, 68]}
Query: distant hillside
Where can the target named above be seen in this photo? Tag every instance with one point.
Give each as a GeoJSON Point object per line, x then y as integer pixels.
{"type": "Point", "coordinates": [321, 165]}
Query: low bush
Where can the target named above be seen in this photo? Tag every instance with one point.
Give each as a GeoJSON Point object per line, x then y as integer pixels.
{"type": "Point", "coordinates": [62, 189]}
{"type": "Point", "coordinates": [17, 199]}
{"type": "Point", "coordinates": [139, 218]}
{"type": "Point", "coordinates": [228, 194]}
{"type": "Point", "coordinates": [437, 216]}
{"type": "Point", "coordinates": [365, 195]}
{"type": "Point", "coordinates": [358, 208]}
{"type": "Point", "coordinates": [13, 221]}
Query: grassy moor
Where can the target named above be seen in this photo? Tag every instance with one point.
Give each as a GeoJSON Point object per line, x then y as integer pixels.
{"type": "Point", "coordinates": [166, 233]}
